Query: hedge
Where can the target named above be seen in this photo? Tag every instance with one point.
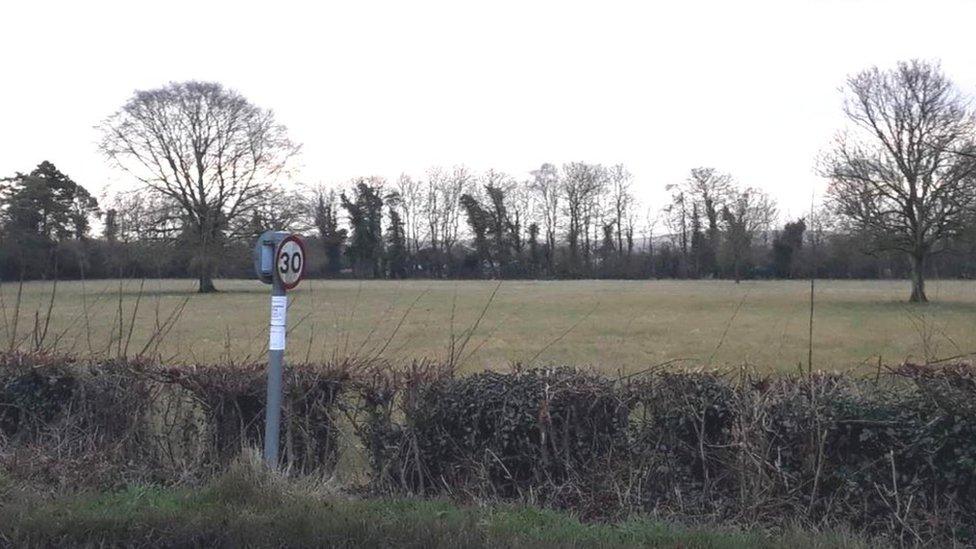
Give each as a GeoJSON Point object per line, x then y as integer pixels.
{"type": "Point", "coordinates": [894, 454]}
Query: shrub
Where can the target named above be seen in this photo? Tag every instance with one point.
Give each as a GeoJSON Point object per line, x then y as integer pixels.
{"type": "Point", "coordinates": [107, 423]}
{"type": "Point", "coordinates": [496, 434]}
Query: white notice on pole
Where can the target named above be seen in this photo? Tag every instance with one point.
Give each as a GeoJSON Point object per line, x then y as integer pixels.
{"type": "Point", "coordinates": [279, 310]}
{"type": "Point", "coordinates": [277, 342]}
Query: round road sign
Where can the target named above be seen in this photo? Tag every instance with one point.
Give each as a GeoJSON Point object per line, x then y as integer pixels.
{"type": "Point", "coordinates": [290, 261]}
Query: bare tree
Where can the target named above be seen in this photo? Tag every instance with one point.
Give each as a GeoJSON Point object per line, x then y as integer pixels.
{"type": "Point", "coordinates": [622, 200]}
{"type": "Point", "coordinates": [442, 209]}
{"type": "Point", "coordinates": [904, 172]}
{"type": "Point", "coordinates": [546, 185]}
{"type": "Point", "coordinates": [581, 187]}
{"type": "Point", "coordinates": [747, 213]}
{"type": "Point", "coordinates": [145, 218]}
{"type": "Point", "coordinates": [676, 220]}
{"type": "Point", "coordinates": [432, 206]}
{"type": "Point", "coordinates": [206, 148]}
{"type": "Point", "coordinates": [521, 208]}
{"type": "Point", "coordinates": [454, 185]}
{"type": "Point", "coordinates": [410, 204]}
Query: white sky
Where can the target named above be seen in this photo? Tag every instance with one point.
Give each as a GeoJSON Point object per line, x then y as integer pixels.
{"type": "Point", "coordinates": [384, 87]}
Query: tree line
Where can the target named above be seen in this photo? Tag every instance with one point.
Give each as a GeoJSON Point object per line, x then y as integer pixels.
{"type": "Point", "coordinates": [208, 168]}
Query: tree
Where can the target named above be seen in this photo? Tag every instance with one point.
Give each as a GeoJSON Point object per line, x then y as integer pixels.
{"type": "Point", "coordinates": [39, 210]}
{"type": "Point", "coordinates": [676, 220]}
{"type": "Point", "coordinates": [903, 173]}
{"type": "Point", "coordinates": [534, 248]}
{"type": "Point", "coordinates": [503, 232]}
{"type": "Point", "coordinates": [698, 250]}
{"type": "Point", "coordinates": [326, 223]}
{"type": "Point", "coordinates": [622, 201]}
{"type": "Point", "coordinates": [396, 243]}
{"type": "Point", "coordinates": [545, 183]}
{"type": "Point", "coordinates": [207, 149]}
{"type": "Point", "coordinates": [707, 189]}
{"type": "Point", "coordinates": [46, 203]}
{"type": "Point", "coordinates": [365, 211]}
{"type": "Point", "coordinates": [280, 210]}
{"type": "Point", "coordinates": [746, 213]}
{"type": "Point", "coordinates": [442, 211]}
{"type": "Point", "coordinates": [581, 185]}
{"type": "Point", "coordinates": [480, 222]}
{"type": "Point", "coordinates": [410, 205]}
{"type": "Point", "coordinates": [111, 232]}
{"type": "Point", "coordinates": [786, 247]}
{"type": "Point", "coordinates": [607, 245]}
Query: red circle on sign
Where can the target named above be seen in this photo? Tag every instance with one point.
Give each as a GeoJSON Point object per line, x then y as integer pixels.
{"type": "Point", "coordinates": [285, 268]}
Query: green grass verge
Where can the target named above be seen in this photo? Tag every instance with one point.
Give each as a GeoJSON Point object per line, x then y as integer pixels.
{"type": "Point", "coordinates": [245, 508]}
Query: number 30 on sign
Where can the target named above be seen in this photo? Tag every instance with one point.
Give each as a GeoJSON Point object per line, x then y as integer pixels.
{"type": "Point", "coordinates": [290, 261]}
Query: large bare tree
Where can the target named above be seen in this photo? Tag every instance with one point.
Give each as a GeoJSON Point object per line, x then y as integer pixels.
{"type": "Point", "coordinates": [206, 148]}
{"type": "Point", "coordinates": [904, 171]}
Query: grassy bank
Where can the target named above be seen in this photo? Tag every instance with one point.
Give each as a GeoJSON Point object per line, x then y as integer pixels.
{"type": "Point", "coordinates": [244, 507]}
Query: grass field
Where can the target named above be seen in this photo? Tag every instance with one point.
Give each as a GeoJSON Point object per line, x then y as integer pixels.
{"type": "Point", "coordinates": [627, 325]}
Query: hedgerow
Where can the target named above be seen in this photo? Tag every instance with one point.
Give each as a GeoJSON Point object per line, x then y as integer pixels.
{"type": "Point", "coordinates": [894, 455]}
{"type": "Point", "coordinates": [75, 423]}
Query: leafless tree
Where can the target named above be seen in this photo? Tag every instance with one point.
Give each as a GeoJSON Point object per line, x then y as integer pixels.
{"type": "Point", "coordinates": [411, 204]}
{"type": "Point", "coordinates": [581, 186]}
{"type": "Point", "coordinates": [281, 209]}
{"type": "Point", "coordinates": [442, 208]}
{"type": "Point", "coordinates": [546, 186]}
{"type": "Point", "coordinates": [903, 173]}
{"type": "Point", "coordinates": [456, 184]}
{"type": "Point", "coordinates": [432, 205]}
{"type": "Point", "coordinates": [145, 218]}
{"type": "Point", "coordinates": [746, 214]}
{"type": "Point", "coordinates": [206, 148]}
{"type": "Point", "coordinates": [676, 216]}
{"type": "Point", "coordinates": [622, 201]}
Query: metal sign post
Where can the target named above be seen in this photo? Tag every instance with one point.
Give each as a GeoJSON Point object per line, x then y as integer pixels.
{"type": "Point", "coordinates": [279, 260]}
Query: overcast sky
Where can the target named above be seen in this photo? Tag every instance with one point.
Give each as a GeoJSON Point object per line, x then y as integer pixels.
{"type": "Point", "coordinates": [381, 88]}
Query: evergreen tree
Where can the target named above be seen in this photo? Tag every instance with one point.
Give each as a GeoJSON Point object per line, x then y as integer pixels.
{"type": "Point", "coordinates": [534, 256]}
{"type": "Point", "coordinates": [365, 212]}
{"type": "Point", "coordinates": [786, 246]}
{"type": "Point", "coordinates": [480, 222]}
{"type": "Point", "coordinates": [47, 204]}
{"type": "Point", "coordinates": [396, 245]}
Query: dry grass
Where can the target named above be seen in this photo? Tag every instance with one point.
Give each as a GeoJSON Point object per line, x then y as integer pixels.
{"type": "Point", "coordinates": [612, 325]}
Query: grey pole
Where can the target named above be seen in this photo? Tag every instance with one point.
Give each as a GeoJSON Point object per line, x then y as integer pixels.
{"type": "Point", "coordinates": [276, 356]}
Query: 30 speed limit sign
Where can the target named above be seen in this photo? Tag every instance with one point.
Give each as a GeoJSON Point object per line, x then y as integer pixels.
{"type": "Point", "coordinates": [279, 260]}
{"type": "Point", "coordinates": [290, 261]}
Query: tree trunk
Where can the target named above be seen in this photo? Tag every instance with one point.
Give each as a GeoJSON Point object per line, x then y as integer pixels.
{"type": "Point", "coordinates": [918, 279]}
{"type": "Point", "coordinates": [206, 284]}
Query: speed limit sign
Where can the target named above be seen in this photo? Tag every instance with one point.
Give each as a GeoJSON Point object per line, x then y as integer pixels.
{"type": "Point", "coordinates": [279, 260]}
{"type": "Point", "coordinates": [290, 261]}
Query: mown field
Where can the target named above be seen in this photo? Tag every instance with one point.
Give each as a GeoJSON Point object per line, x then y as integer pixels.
{"type": "Point", "coordinates": [611, 325]}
